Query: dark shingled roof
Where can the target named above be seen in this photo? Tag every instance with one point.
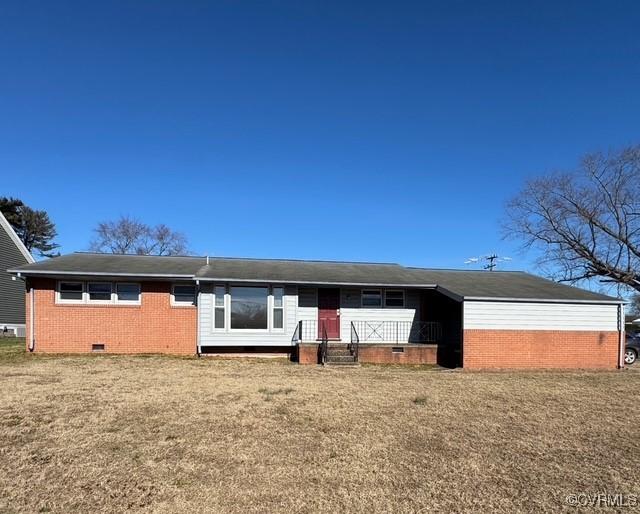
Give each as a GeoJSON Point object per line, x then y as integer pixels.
{"type": "Point", "coordinates": [462, 283]}
{"type": "Point", "coordinates": [505, 284]}
{"type": "Point", "coordinates": [312, 272]}
{"type": "Point", "coordinates": [115, 265]}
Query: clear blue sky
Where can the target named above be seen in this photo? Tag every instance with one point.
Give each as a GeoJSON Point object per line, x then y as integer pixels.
{"type": "Point", "coordinates": [337, 130]}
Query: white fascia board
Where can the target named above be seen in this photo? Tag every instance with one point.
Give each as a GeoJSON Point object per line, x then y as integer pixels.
{"type": "Point", "coordinates": [17, 241]}
{"type": "Point", "coordinates": [538, 300]}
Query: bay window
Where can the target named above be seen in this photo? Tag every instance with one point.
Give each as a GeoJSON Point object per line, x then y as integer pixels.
{"type": "Point", "coordinates": [249, 308]}
{"type": "Point", "coordinates": [278, 307]}
{"type": "Point", "coordinates": [219, 310]}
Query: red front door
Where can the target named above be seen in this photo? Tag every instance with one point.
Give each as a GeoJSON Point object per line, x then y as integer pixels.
{"type": "Point", "coordinates": [329, 312]}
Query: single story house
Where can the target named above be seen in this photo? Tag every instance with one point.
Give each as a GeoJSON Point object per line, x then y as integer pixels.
{"type": "Point", "coordinates": [12, 253]}
{"type": "Point", "coordinates": [328, 312]}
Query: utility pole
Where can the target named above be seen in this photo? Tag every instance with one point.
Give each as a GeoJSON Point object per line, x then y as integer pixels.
{"type": "Point", "coordinates": [492, 261]}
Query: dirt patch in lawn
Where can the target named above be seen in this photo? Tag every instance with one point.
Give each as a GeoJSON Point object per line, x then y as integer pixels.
{"type": "Point", "coordinates": [174, 435]}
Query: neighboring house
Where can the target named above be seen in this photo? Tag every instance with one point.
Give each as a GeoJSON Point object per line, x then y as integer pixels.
{"type": "Point", "coordinates": [317, 311]}
{"type": "Point", "coordinates": [12, 253]}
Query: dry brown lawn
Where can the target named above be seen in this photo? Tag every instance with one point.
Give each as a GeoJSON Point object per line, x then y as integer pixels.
{"type": "Point", "coordinates": [161, 434]}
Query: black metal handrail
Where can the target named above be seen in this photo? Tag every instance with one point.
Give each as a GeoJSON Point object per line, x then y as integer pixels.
{"type": "Point", "coordinates": [355, 342]}
{"type": "Point", "coordinates": [398, 331]}
{"type": "Point", "coordinates": [297, 333]}
{"type": "Point", "coordinates": [324, 345]}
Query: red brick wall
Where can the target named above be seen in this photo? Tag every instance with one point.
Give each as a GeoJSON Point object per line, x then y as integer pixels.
{"type": "Point", "coordinates": [485, 349]}
{"type": "Point", "coordinates": [422, 354]}
{"type": "Point", "coordinates": [152, 327]}
{"type": "Point", "coordinates": [308, 353]}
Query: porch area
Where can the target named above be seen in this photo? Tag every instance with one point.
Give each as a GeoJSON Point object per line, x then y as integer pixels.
{"type": "Point", "coordinates": [375, 342]}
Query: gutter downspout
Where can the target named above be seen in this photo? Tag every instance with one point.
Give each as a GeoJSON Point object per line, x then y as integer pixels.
{"type": "Point", "coordinates": [32, 342]}
{"type": "Point", "coordinates": [198, 317]}
{"type": "Point", "coordinates": [32, 308]}
{"type": "Point", "coordinates": [622, 342]}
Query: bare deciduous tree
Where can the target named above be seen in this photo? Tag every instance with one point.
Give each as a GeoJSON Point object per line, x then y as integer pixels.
{"type": "Point", "coordinates": [130, 236]}
{"type": "Point", "coordinates": [585, 222]}
{"type": "Point", "coordinates": [634, 306]}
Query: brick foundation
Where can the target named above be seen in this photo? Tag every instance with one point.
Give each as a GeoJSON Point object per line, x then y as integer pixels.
{"type": "Point", "coordinates": [410, 354]}
{"type": "Point", "coordinates": [485, 349]}
{"type": "Point", "coordinates": [308, 353]}
{"type": "Point", "coordinates": [155, 326]}
{"type": "Point", "coordinates": [380, 354]}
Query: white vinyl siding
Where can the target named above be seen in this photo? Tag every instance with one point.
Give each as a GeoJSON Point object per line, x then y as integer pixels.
{"type": "Point", "coordinates": [212, 336]}
{"type": "Point", "coordinates": [350, 310]}
{"type": "Point", "coordinates": [300, 303]}
{"type": "Point", "coordinates": [539, 316]}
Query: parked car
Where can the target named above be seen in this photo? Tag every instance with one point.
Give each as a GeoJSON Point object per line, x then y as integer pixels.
{"type": "Point", "coordinates": [632, 349]}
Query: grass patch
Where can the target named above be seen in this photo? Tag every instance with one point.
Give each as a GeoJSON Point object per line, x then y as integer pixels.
{"type": "Point", "coordinates": [270, 393]}
{"type": "Point", "coordinates": [188, 435]}
{"type": "Point", "coordinates": [12, 349]}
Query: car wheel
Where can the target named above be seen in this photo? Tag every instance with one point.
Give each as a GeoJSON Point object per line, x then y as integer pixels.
{"type": "Point", "coordinates": [630, 357]}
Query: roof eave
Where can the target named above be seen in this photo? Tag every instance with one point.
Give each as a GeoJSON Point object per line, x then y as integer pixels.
{"type": "Point", "coordinates": [542, 300]}
{"type": "Point", "coordinates": [52, 273]}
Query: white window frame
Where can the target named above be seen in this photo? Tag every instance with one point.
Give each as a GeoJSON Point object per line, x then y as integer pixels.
{"type": "Point", "coordinates": [404, 300]}
{"type": "Point", "coordinates": [59, 298]}
{"type": "Point", "coordinates": [224, 306]}
{"type": "Point", "coordinates": [98, 302]}
{"type": "Point", "coordinates": [174, 303]}
{"type": "Point", "coordinates": [362, 305]}
{"type": "Point", "coordinates": [127, 302]}
{"type": "Point", "coordinates": [273, 307]}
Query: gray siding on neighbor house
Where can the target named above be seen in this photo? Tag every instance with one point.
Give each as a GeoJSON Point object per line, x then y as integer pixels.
{"type": "Point", "coordinates": [12, 308]}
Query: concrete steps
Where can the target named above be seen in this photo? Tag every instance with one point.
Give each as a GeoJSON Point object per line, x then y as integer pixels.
{"type": "Point", "coordinates": [340, 355]}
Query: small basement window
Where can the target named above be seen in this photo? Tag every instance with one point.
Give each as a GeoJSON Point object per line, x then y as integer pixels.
{"type": "Point", "coordinates": [397, 349]}
{"type": "Point", "coordinates": [127, 293]}
{"type": "Point", "coordinates": [371, 298]}
{"type": "Point", "coordinates": [99, 291]}
{"type": "Point", "coordinates": [71, 291]}
{"type": "Point", "coordinates": [184, 294]}
{"type": "Point", "coordinates": [97, 347]}
{"type": "Point", "coordinates": [394, 298]}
